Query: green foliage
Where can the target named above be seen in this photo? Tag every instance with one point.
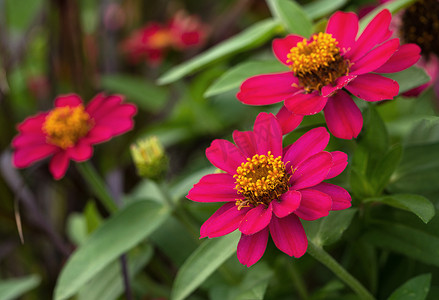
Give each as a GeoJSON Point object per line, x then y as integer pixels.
{"type": "Point", "coordinates": [292, 16]}
{"type": "Point", "coordinates": [415, 289]}
{"type": "Point", "coordinates": [14, 288]}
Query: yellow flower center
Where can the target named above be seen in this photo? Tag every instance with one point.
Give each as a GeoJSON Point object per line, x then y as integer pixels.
{"type": "Point", "coordinates": [160, 39]}
{"type": "Point", "coordinates": [64, 126]}
{"type": "Point", "coordinates": [260, 180]}
{"type": "Point", "coordinates": [317, 62]}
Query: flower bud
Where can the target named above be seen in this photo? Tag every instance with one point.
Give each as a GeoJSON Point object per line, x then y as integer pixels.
{"type": "Point", "coordinates": [149, 157]}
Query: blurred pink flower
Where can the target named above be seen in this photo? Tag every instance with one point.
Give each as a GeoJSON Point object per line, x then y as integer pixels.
{"type": "Point", "coordinates": [268, 189]}
{"type": "Point", "coordinates": [328, 62]}
{"type": "Point", "coordinates": [70, 130]}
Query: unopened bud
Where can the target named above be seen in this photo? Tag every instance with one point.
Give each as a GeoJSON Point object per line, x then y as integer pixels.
{"type": "Point", "coordinates": [149, 157]}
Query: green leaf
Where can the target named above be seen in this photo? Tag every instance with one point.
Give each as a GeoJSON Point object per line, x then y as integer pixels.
{"type": "Point", "coordinates": [329, 229]}
{"type": "Point", "coordinates": [14, 288]}
{"type": "Point", "coordinates": [321, 8]}
{"type": "Point", "coordinates": [235, 76]}
{"type": "Point", "coordinates": [425, 131]}
{"type": "Point", "coordinates": [121, 232]}
{"type": "Point", "coordinates": [420, 206]}
{"type": "Point", "coordinates": [409, 78]}
{"type": "Point", "coordinates": [202, 263]}
{"type": "Point", "coordinates": [145, 94]}
{"type": "Point", "coordinates": [374, 135]}
{"type": "Point", "coordinates": [411, 242]}
{"type": "Point", "coordinates": [384, 168]}
{"type": "Point", "coordinates": [292, 16]}
{"type": "Point", "coordinates": [252, 37]}
{"type": "Point", "coordinates": [360, 186]}
{"type": "Point", "coordinates": [415, 289]}
{"type": "Point", "coordinates": [92, 216]}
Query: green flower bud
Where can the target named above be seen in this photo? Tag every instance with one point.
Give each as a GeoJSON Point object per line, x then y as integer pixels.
{"type": "Point", "coordinates": [149, 157]}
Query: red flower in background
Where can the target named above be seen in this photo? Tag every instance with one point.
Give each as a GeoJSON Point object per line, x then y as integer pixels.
{"type": "Point", "coordinates": [69, 131]}
{"type": "Point", "coordinates": [267, 189]}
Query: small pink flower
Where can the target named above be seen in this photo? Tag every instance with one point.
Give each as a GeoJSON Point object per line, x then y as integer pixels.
{"type": "Point", "coordinates": [187, 31]}
{"type": "Point", "coordinates": [267, 189]}
{"type": "Point", "coordinates": [69, 131]}
{"type": "Point", "coordinates": [329, 62]}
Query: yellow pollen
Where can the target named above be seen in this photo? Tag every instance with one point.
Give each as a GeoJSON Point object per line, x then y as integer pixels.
{"type": "Point", "coordinates": [64, 126]}
{"type": "Point", "coordinates": [260, 180]}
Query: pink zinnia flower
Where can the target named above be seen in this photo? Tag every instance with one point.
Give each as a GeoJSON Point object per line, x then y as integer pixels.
{"type": "Point", "coordinates": [328, 62]}
{"type": "Point", "coordinates": [268, 189]}
{"type": "Point", "coordinates": [68, 131]}
{"type": "Point", "coordinates": [187, 31]}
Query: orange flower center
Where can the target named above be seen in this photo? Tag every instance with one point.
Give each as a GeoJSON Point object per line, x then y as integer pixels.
{"type": "Point", "coordinates": [64, 126]}
{"type": "Point", "coordinates": [260, 180]}
{"type": "Point", "coordinates": [159, 40]}
{"type": "Point", "coordinates": [317, 62]}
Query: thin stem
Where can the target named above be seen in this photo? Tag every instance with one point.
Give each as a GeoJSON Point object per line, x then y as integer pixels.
{"type": "Point", "coordinates": [98, 186]}
{"type": "Point", "coordinates": [322, 256]}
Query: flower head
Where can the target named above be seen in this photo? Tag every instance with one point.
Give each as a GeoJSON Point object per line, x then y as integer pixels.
{"type": "Point", "coordinates": [69, 130]}
{"type": "Point", "coordinates": [149, 157]}
{"type": "Point", "coordinates": [267, 189]}
{"type": "Point", "coordinates": [328, 62]}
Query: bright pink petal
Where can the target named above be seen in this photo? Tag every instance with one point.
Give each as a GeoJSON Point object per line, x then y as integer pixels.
{"type": "Point", "coordinates": [312, 142]}
{"type": "Point", "coordinates": [117, 126]}
{"type": "Point", "coordinates": [373, 34]}
{"type": "Point", "coordinates": [288, 235]}
{"type": "Point", "coordinates": [246, 142]}
{"type": "Point", "coordinates": [214, 188]}
{"type": "Point", "coordinates": [305, 104]}
{"type": "Point", "coordinates": [343, 118]}
{"type": "Point", "coordinates": [312, 171]}
{"type": "Point", "coordinates": [287, 203]}
{"type": "Point", "coordinates": [98, 134]}
{"type": "Point", "coordinates": [28, 139]}
{"type": "Point", "coordinates": [268, 134]}
{"type": "Point", "coordinates": [119, 111]}
{"type": "Point", "coordinates": [406, 56]}
{"type": "Point", "coordinates": [58, 164]}
{"type": "Point", "coordinates": [314, 205]}
{"type": "Point", "coordinates": [107, 106]}
{"type": "Point", "coordinates": [95, 103]}
{"type": "Point", "coordinates": [225, 220]}
{"type": "Point", "coordinates": [375, 58]}
{"type": "Point", "coordinates": [282, 47]}
{"type": "Point", "coordinates": [267, 89]}
{"type": "Point", "coordinates": [373, 87]}
{"type": "Point", "coordinates": [32, 124]}
{"type": "Point", "coordinates": [23, 157]}
{"type": "Point", "coordinates": [329, 90]}
{"type": "Point", "coordinates": [340, 197]}
{"type": "Point", "coordinates": [71, 100]}
{"type": "Point", "coordinates": [339, 163]}
{"type": "Point", "coordinates": [256, 219]}
{"type": "Point", "coordinates": [225, 156]}
{"type": "Point", "coordinates": [252, 247]}
{"type": "Point", "coordinates": [82, 151]}
{"type": "Point", "coordinates": [343, 27]}
{"type": "Point", "coordinates": [288, 121]}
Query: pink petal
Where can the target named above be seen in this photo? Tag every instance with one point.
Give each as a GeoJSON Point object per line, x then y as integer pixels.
{"type": "Point", "coordinates": [329, 90]}
{"type": "Point", "coordinates": [95, 103]}
{"type": "Point", "coordinates": [282, 47]}
{"type": "Point", "coordinates": [406, 56]}
{"type": "Point", "coordinates": [314, 205]}
{"type": "Point", "coordinates": [288, 121]}
{"type": "Point", "coordinates": [225, 220]}
{"type": "Point", "coordinates": [256, 219]}
{"type": "Point", "coordinates": [59, 164]}
{"type": "Point", "coordinates": [312, 142]}
{"type": "Point", "coordinates": [214, 188]}
{"type": "Point", "coordinates": [375, 58]}
{"type": "Point", "coordinates": [120, 111]}
{"type": "Point", "coordinates": [268, 134]}
{"type": "Point", "coordinates": [343, 118]}
{"type": "Point", "coordinates": [245, 140]}
{"type": "Point", "coordinates": [343, 27]}
{"type": "Point", "coordinates": [225, 156]}
{"type": "Point", "coordinates": [28, 139]}
{"type": "Point", "coordinates": [117, 126]}
{"type": "Point", "coordinates": [252, 247]}
{"type": "Point", "coordinates": [305, 104]}
{"type": "Point", "coordinates": [373, 34]}
{"type": "Point", "coordinates": [33, 124]}
{"type": "Point", "coordinates": [267, 89]}
{"type": "Point", "coordinates": [23, 157]}
{"type": "Point", "coordinates": [107, 106]}
{"type": "Point", "coordinates": [340, 197]}
{"type": "Point", "coordinates": [82, 151]}
{"type": "Point", "coordinates": [288, 235]}
{"type": "Point", "coordinates": [98, 134]}
{"type": "Point", "coordinates": [287, 203]}
{"type": "Point", "coordinates": [71, 100]}
{"type": "Point", "coordinates": [311, 171]}
{"type": "Point", "coordinates": [339, 163]}
{"type": "Point", "coordinates": [373, 87]}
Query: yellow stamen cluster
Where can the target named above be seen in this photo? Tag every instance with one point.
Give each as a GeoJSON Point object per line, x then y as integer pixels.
{"type": "Point", "coordinates": [317, 62]}
{"type": "Point", "coordinates": [260, 180]}
{"type": "Point", "coordinates": [64, 126]}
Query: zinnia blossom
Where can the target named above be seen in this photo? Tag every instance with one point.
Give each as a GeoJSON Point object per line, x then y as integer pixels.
{"type": "Point", "coordinates": [329, 62]}
{"type": "Point", "coordinates": [268, 189]}
{"type": "Point", "coordinates": [69, 131]}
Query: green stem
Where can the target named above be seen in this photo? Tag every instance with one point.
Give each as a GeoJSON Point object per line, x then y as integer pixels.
{"type": "Point", "coordinates": [98, 186]}
{"type": "Point", "coordinates": [322, 256]}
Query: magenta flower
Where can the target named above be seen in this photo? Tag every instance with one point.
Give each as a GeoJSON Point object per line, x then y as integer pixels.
{"type": "Point", "coordinates": [328, 62]}
{"type": "Point", "coordinates": [69, 130]}
{"type": "Point", "coordinates": [268, 189]}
